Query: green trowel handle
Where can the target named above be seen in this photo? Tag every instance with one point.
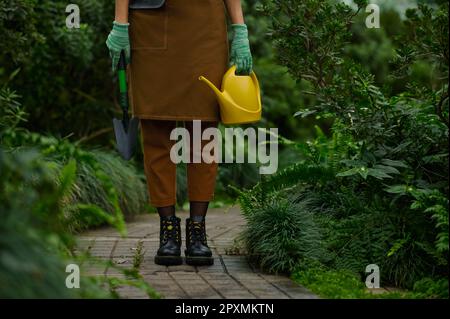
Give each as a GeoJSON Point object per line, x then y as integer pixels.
{"type": "Point", "coordinates": [123, 92]}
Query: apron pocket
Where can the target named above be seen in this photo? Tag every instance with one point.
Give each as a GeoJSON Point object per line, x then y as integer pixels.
{"type": "Point", "coordinates": [148, 29]}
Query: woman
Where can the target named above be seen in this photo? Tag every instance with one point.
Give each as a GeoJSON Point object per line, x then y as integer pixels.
{"type": "Point", "coordinates": [169, 48]}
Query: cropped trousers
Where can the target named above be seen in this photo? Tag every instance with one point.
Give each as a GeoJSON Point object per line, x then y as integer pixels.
{"type": "Point", "coordinates": [160, 170]}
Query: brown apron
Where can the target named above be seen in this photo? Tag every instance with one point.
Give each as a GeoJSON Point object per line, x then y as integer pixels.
{"type": "Point", "coordinates": [171, 47]}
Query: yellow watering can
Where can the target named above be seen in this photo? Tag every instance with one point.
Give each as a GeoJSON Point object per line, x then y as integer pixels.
{"type": "Point", "coordinates": [240, 98]}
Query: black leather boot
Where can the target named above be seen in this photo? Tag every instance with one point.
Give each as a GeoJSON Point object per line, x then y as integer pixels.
{"type": "Point", "coordinates": [169, 252]}
{"type": "Point", "coordinates": [197, 251]}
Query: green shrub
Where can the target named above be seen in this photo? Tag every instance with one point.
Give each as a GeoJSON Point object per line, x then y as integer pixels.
{"type": "Point", "coordinates": [88, 188]}
{"type": "Point", "coordinates": [18, 22]}
{"type": "Point", "coordinates": [432, 288]}
{"type": "Point", "coordinates": [36, 241]}
{"type": "Point", "coordinates": [378, 187]}
{"type": "Point", "coordinates": [102, 178]}
{"type": "Point", "coordinates": [65, 76]}
{"type": "Point", "coordinates": [280, 234]}
{"type": "Point", "coordinates": [45, 196]}
{"type": "Point", "coordinates": [29, 263]}
{"type": "Point", "coordinates": [11, 113]}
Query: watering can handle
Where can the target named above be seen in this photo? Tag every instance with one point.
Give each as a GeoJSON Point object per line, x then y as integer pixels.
{"type": "Point", "coordinates": [123, 90]}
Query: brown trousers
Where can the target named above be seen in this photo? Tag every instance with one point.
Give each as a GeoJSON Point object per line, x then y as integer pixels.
{"type": "Point", "coordinates": [161, 171]}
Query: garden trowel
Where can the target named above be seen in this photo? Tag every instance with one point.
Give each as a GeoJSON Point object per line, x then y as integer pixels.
{"type": "Point", "coordinates": [126, 129]}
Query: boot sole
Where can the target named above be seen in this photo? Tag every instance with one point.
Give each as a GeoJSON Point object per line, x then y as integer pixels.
{"type": "Point", "coordinates": [199, 261]}
{"type": "Point", "coordinates": [168, 260]}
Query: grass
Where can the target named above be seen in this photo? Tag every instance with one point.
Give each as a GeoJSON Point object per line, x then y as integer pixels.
{"type": "Point", "coordinates": [343, 284]}
{"type": "Point", "coordinates": [280, 234]}
{"type": "Point", "coordinates": [138, 256]}
{"type": "Point", "coordinates": [88, 189]}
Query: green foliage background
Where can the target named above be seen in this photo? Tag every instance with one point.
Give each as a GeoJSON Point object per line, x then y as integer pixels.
{"type": "Point", "coordinates": [363, 122]}
{"type": "Point", "coordinates": [376, 179]}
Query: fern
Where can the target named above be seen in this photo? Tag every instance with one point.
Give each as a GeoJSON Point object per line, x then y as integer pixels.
{"type": "Point", "coordinates": [435, 204]}
{"type": "Point", "coordinates": [293, 175]}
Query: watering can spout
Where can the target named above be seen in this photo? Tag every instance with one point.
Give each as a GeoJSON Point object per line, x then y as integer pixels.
{"type": "Point", "coordinates": [212, 86]}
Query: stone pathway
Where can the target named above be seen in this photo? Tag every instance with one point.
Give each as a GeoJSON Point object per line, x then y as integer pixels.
{"type": "Point", "coordinates": [229, 277]}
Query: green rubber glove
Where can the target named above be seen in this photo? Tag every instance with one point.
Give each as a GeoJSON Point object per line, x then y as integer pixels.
{"type": "Point", "coordinates": [118, 40]}
{"type": "Point", "coordinates": [241, 55]}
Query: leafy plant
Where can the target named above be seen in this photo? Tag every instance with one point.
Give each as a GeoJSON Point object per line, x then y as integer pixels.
{"type": "Point", "coordinates": [326, 283]}
{"type": "Point", "coordinates": [280, 234]}
{"type": "Point", "coordinates": [342, 284]}
{"type": "Point", "coordinates": [36, 239]}
{"type": "Point", "coordinates": [65, 78]}
{"type": "Point", "coordinates": [49, 189]}
{"type": "Point", "coordinates": [102, 179]}
{"type": "Point", "coordinates": [378, 188]}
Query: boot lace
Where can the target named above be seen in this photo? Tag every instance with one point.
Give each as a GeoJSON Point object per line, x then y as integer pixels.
{"type": "Point", "coordinates": [197, 232]}
{"type": "Point", "coordinates": [169, 230]}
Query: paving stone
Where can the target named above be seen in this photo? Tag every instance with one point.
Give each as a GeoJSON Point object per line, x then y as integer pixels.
{"type": "Point", "coordinates": [165, 285]}
{"type": "Point", "coordinates": [230, 277]}
{"type": "Point", "coordinates": [92, 270]}
{"type": "Point", "coordinates": [271, 296]}
{"type": "Point", "coordinates": [150, 268]}
{"type": "Point", "coordinates": [238, 295]}
{"type": "Point", "coordinates": [222, 283]}
{"type": "Point", "coordinates": [289, 287]}
{"type": "Point", "coordinates": [215, 275]}
{"type": "Point", "coordinates": [185, 275]}
{"type": "Point", "coordinates": [197, 289]}
{"type": "Point", "coordinates": [247, 276]}
{"type": "Point", "coordinates": [126, 248]}
{"type": "Point", "coordinates": [130, 292]}
{"type": "Point", "coordinates": [103, 232]}
{"type": "Point", "coordinates": [113, 272]}
{"type": "Point", "coordinates": [182, 267]}
{"type": "Point", "coordinates": [174, 295]}
{"type": "Point", "coordinates": [217, 267]}
{"type": "Point", "coordinates": [122, 262]}
{"type": "Point", "coordinates": [260, 287]}
{"type": "Point", "coordinates": [138, 231]}
{"type": "Point", "coordinates": [102, 248]}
